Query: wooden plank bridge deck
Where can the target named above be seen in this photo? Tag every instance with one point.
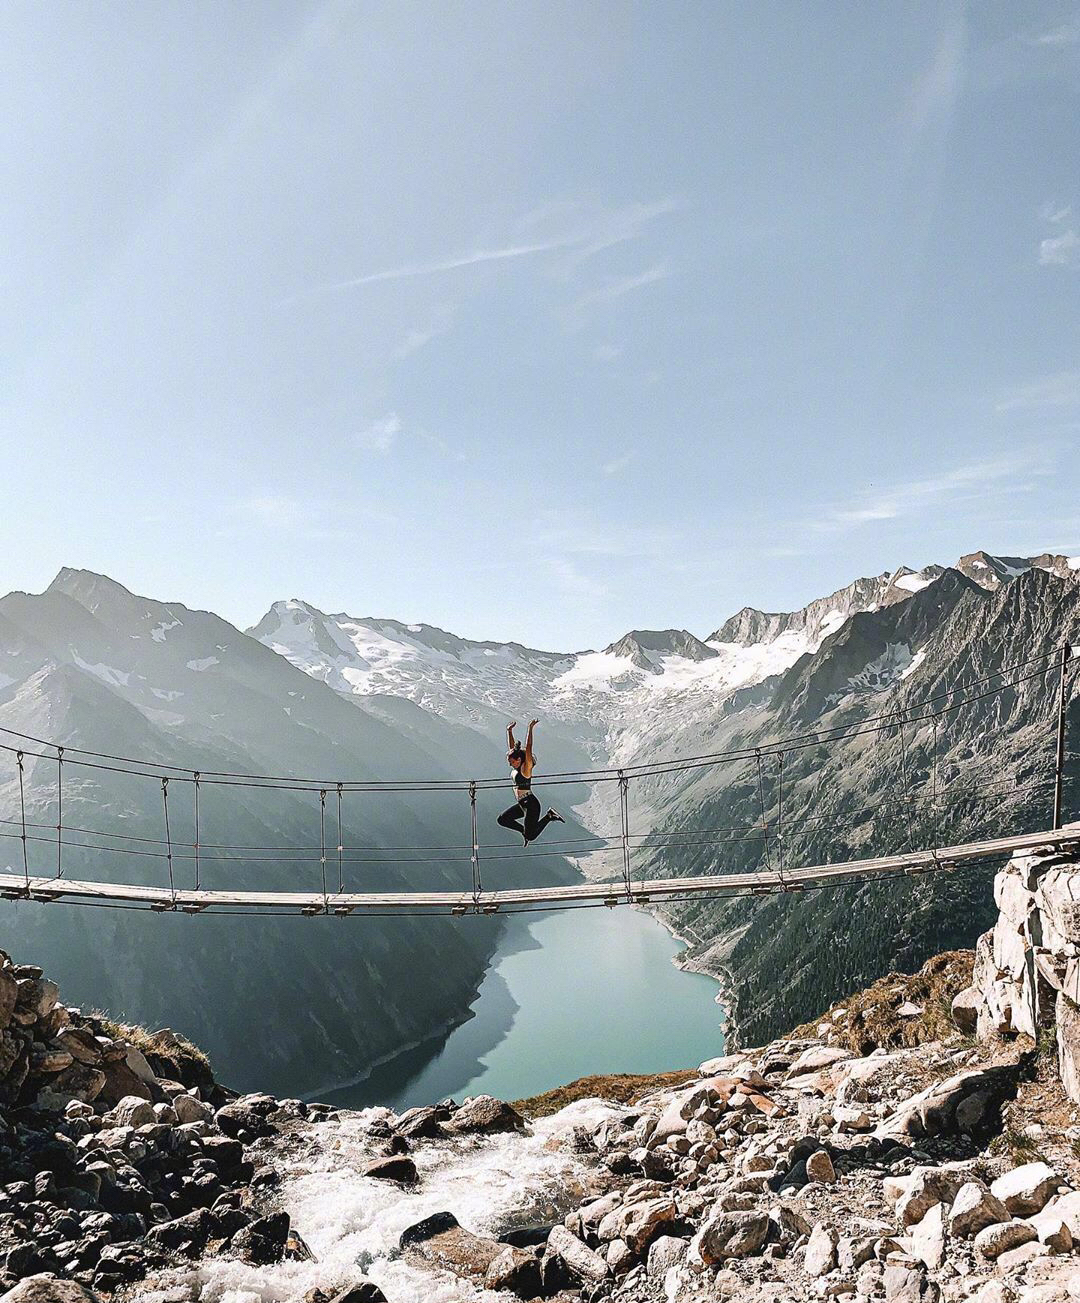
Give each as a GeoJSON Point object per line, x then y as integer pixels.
{"type": "Point", "coordinates": [15, 886]}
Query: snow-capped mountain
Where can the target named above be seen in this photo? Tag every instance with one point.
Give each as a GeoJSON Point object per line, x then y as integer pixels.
{"type": "Point", "coordinates": [639, 695]}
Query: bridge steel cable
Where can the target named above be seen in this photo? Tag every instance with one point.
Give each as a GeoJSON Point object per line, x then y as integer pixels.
{"type": "Point", "coordinates": [772, 876]}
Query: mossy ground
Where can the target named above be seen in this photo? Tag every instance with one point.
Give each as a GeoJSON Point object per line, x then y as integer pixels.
{"type": "Point", "coordinates": [618, 1088]}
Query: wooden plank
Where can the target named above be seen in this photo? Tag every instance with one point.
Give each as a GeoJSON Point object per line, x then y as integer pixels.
{"type": "Point", "coordinates": [344, 904]}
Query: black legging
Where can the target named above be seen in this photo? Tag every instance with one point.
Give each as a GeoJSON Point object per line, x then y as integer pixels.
{"type": "Point", "coordinates": [527, 808]}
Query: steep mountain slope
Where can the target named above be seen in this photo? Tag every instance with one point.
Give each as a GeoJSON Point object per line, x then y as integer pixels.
{"type": "Point", "coordinates": [92, 665]}
{"type": "Point", "coordinates": [982, 768]}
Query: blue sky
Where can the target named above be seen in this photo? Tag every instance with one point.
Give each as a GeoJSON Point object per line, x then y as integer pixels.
{"type": "Point", "coordinates": [535, 320]}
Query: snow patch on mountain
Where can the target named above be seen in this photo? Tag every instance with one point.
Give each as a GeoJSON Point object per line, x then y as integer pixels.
{"type": "Point", "coordinates": [159, 631]}
{"type": "Point", "coordinates": [106, 673]}
{"type": "Point", "coordinates": [913, 583]}
{"type": "Point", "coordinates": [203, 663]}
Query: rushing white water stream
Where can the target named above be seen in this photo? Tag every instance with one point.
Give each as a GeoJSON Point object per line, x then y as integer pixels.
{"type": "Point", "coordinates": [352, 1223]}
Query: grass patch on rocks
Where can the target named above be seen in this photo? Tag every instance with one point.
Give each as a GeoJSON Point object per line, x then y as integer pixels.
{"type": "Point", "coordinates": [881, 1015]}
{"type": "Point", "coordinates": [157, 1045]}
{"type": "Point", "coordinates": [617, 1087]}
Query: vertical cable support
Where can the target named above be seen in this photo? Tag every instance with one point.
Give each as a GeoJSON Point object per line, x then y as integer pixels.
{"type": "Point", "coordinates": [780, 816]}
{"type": "Point", "coordinates": [59, 811]}
{"type": "Point", "coordinates": [624, 785]}
{"type": "Point", "coordinates": [198, 867]}
{"type": "Point", "coordinates": [22, 817]}
{"type": "Point", "coordinates": [340, 846]}
{"type": "Point", "coordinates": [904, 778]}
{"type": "Point", "coordinates": [477, 884]}
{"type": "Point", "coordinates": [322, 843]}
{"type": "Point", "coordinates": [761, 802]}
{"type": "Point", "coordinates": [168, 838]}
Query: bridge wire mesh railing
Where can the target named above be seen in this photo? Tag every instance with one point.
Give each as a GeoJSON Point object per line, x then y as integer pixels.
{"type": "Point", "coordinates": [776, 830]}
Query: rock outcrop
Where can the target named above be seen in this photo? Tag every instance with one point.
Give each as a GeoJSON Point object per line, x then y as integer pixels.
{"type": "Point", "coordinates": [1027, 968]}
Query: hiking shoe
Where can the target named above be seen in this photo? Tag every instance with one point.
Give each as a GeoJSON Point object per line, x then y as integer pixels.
{"type": "Point", "coordinates": [555, 816]}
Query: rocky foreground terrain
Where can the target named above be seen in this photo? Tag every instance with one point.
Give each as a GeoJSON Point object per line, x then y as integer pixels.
{"type": "Point", "coordinates": [916, 1144]}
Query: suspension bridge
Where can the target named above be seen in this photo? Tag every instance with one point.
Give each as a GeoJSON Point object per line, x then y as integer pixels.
{"type": "Point", "coordinates": [775, 874]}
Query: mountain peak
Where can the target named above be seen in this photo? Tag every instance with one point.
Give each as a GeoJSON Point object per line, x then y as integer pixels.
{"type": "Point", "coordinates": [646, 648]}
{"type": "Point", "coordinates": [87, 587]}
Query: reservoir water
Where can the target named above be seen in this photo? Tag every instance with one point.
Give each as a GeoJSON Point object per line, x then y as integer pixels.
{"type": "Point", "coordinates": [568, 994]}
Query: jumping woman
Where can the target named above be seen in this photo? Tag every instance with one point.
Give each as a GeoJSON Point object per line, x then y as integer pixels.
{"type": "Point", "coordinates": [524, 815]}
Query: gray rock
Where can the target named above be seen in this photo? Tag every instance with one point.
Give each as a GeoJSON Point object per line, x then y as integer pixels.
{"type": "Point", "coordinates": [131, 1111]}
{"type": "Point", "coordinates": [974, 1208]}
{"type": "Point", "coordinates": [664, 1253]}
{"type": "Point", "coordinates": [515, 1270]}
{"type": "Point", "coordinates": [486, 1115]}
{"type": "Point", "coordinates": [925, 1187]}
{"type": "Point", "coordinates": [819, 1167]}
{"type": "Point", "coordinates": [582, 1263]}
{"type": "Point", "coordinates": [906, 1283]}
{"type": "Point", "coordinates": [993, 1241]}
{"type": "Point", "coordinates": [396, 1167]}
{"type": "Point", "coordinates": [965, 1010]}
{"type": "Point", "coordinates": [820, 1251]}
{"type": "Point", "coordinates": [731, 1235]}
{"type": "Point", "coordinates": [45, 1289]}
{"type": "Point", "coordinates": [1025, 1190]}
{"type": "Point", "coordinates": [927, 1238]}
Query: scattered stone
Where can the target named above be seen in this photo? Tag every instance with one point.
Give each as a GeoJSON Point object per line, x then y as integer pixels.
{"type": "Point", "coordinates": [583, 1264]}
{"type": "Point", "coordinates": [731, 1235]}
{"type": "Point", "coordinates": [819, 1167]}
{"type": "Point", "coordinates": [396, 1167]}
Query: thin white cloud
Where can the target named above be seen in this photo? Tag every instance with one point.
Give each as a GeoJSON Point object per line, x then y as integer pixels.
{"type": "Point", "coordinates": [281, 513]}
{"type": "Point", "coordinates": [380, 435]}
{"type": "Point", "coordinates": [1062, 389]}
{"type": "Point", "coordinates": [971, 482]}
{"type": "Point", "coordinates": [618, 464]}
{"type": "Point", "coordinates": [439, 322]}
{"type": "Point", "coordinates": [446, 264]}
{"type": "Point", "coordinates": [570, 580]}
{"type": "Point", "coordinates": [934, 92]}
{"type": "Point", "coordinates": [1060, 250]}
{"type": "Point", "coordinates": [1056, 213]}
{"type": "Point", "coordinates": [581, 232]}
{"type": "Point", "coordinates": [617, 287]}
{"type": "Point", "coordinates": [1065, 34]}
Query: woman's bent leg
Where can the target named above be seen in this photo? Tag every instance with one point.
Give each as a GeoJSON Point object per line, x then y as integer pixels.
{"type": "Point", "coordinates": [512, 819]}
{"type": "Point", "coordinates": [534, 825]}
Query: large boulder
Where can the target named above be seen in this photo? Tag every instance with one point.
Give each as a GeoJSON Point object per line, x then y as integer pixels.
{"type": "Point", "coordinates": [820, 1251]}
{"type": "Point", "coordinates": [993, 1241]}
{"type": "Point", "coordinates": [1027, 1189]}
{"type": "Point", "coordinates": [925, 1187]}
{"type": "Point", "coordinates": [396, 1167]}
{"type": "Point", "coordinates": [516, 1270]}
{"type": "Point", "coordinates": [639, 1222]}
{"type": "Point", "coordinates": [485, 1115]}
{"type": "Point", "coordinates": [443, 1242]}
{"type": "Point", "coordinates": [973, 1209]}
